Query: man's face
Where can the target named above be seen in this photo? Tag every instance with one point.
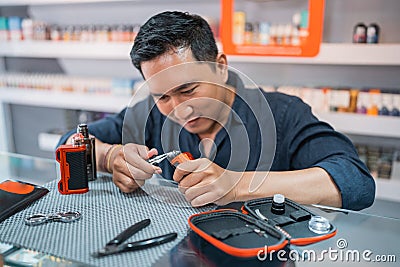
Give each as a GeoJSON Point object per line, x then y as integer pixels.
{"type": "Point", "coordinates": [189, 92]}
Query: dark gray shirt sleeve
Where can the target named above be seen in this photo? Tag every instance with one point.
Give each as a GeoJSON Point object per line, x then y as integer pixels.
{"type": "Point", "coordinates": [307, 142]}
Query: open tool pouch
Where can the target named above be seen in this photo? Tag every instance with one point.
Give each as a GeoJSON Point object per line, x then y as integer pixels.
{"type": "Point", "coordinates": [235, 233]}
{"type": "Point", "coordinates": [245, 234]}
{"type": "Point", "coordinates": [294, 222]}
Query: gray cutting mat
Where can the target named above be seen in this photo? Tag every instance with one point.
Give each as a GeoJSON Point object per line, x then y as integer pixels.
{"type": "Point", "coordinates": [105, 213]}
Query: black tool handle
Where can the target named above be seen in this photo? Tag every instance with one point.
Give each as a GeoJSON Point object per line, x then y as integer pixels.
{"type": "Point", "coordinates": [129, 232]}
{"type": "Point", "coordinates": [150, 242]}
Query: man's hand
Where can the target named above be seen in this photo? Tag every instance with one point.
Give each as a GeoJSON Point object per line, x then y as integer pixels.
{"type": "Point", "coordinates": [203, 182]}
{"type": "Point", "coordinates": [129, 166]}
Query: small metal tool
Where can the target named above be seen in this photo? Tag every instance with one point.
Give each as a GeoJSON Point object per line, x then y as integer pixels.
{"type": "Point", "coordinates": [261, 216]}
{"type": "Point", "coordinates": [280, 229]}
{"type": "Point", "coordinates": [169, 155]}
{"type": "Point", "coordinates": [175, 157]}
{"type": "Point", "coordinates": [65, 217]}
{"type": "Point", "coordinates": [116, 245]}
{"type": "Point", "coordinates": [257, 230]}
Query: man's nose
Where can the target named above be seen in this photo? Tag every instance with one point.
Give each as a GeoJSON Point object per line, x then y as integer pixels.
{"type": "Point", "coordinates": [183, 112]}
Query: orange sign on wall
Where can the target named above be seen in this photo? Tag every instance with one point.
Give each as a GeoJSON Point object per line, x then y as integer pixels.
{"type": "Point", "coordinates": [272, 40]}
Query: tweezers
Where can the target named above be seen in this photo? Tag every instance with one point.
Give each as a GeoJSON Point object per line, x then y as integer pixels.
{"type": "Point", "coordinates": [170, 155]}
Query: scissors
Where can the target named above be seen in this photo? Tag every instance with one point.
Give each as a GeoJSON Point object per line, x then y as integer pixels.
{"type": "Point", "coordinates": [116, 245]}
{"type": "Point", "coordinates": [66, 217]}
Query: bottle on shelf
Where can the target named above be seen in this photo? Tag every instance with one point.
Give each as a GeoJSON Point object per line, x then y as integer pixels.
{"type": "Point", "coordinates": [27, 28]}
{"type": "Point", "coordinates": [372, 33]}
{"type": "Point", "coordinates": [387, 104]}
{"type": "Point", "coordinates": [4, 29]}
{"type": "Point", "coordinates": [374, 102]}
{"type": "Point", "coordinates": [360, 33]}
{"type": "Point", "coordinates": [239, 24]}
{"type": "Point", "coordinates": [15, 28]}
{"type": "Point", "coordinates": [396, 106]}
{"type": "Point", "coordinates": [362, 101]}
{"type": "Point", "coordinates": [248, 33]}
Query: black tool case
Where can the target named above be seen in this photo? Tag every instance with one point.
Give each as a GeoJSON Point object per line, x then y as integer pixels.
{"type": "Point", "coordinates": [244, 234]}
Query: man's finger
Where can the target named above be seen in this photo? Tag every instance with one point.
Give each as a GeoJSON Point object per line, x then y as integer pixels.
{"type": "Point", "coordinates": [152, 152]}
{"type": "Point", "coordinates": [138, 162]}
{"type": "Point", "coordinates": [203, 199]}
{"type": "Point", "coordinates": [140, 174]}
{"type": "Point", "coordinates": [191, 179]}
{"type": "Point", "coordinates": [188, 167]}
{"type": "Point", "coordinates": [133, 151]}
{"type": "Point", "coordinates": [125, 184]}
{"type": "Point", "coordinates": [193, 192]}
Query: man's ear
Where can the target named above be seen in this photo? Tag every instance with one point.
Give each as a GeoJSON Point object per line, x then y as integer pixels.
{"type": "Point", "coordinates": [222, 66]}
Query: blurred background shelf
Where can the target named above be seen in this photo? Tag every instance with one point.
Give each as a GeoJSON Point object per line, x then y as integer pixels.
{"type": "Point", "coordinates": [338, 54]}
{"type": "Point", "coordinates": [62, 2]}
{"type": "Point", "coordinates": [330, 53]}
{"type": "Point", "coordinates": [64, 100]}
{"type": "Point", "coordinates": [388, 189]}
{"type": "Point", "coordinates": [361, 124]}
{"type": "Point", "coordinates": [79, 50]}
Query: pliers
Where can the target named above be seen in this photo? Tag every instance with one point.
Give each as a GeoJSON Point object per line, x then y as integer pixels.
{"type": "Point", "coordinates": [116, 245]}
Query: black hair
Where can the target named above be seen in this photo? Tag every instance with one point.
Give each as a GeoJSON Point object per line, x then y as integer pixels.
{"type": "Point", "coordinates": [169, 30]}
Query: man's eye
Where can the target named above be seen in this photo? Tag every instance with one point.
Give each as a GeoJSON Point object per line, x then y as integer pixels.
{"type": "Point", "coordinates": [187, 92]}
{"type": "Point", "coordinates": [163, 97]}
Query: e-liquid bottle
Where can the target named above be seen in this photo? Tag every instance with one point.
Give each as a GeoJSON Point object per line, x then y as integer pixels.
{"type": "Point", "coordinates": [372, 33]}
{"type": "Point", "coordinates": [362, 101]}
{"type": "Point", "coordinates": [278, 204]}
{"type": "Point", "coordinates": [264, 33]}
{"type": "Point", "coordinates": [396, 105]}
{"type": "Point", "coordinates": [90, 151]}
{"type": "Point", "coordinates": [248, 33]}
{"type": "Point", "coordinates": [387, 105]}
{"type": "Point", "coordinates": [239, 22]}
{"type": "Point", "coordinates": [374, 102]}
{"type": "Point", "coordinates": [360, 33]}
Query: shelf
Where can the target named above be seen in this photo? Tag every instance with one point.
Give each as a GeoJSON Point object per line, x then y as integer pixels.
{"type": "Point", "coordinates": [79, 50]}
{"type": "Point", "coordinates": [64, 100]}
{"type": "Point", "coordinates": [349, 123]}
{"type": "Point", "coordinates": [339, 54]}
{"type": "Point", "coordinates": [388, 189]}
{"type": "Point", "coordinates": [64, 2]}
{"type": "Point", "coordinates": [55, 2]}
{"type": "Point", "coordinates": [48, 141]}
{"type": "Point", "coordinates": [359, 124]}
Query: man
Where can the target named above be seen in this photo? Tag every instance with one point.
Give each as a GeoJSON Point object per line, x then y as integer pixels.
{"type": "Point", "coordinates": [203, 108]}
